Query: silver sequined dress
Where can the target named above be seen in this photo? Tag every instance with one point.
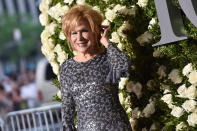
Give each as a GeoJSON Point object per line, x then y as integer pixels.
{"type": "Point", "coordinates": [92, 88]}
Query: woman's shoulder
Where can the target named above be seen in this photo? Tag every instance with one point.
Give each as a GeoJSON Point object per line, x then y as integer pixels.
{"type": "Point", "coordinates": [66, 64]}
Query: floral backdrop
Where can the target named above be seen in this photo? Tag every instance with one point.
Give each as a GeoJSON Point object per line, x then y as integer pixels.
{"type": "Point", "coordinates": [161, 93]}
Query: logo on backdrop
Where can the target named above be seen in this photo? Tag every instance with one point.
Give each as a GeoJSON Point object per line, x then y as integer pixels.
{"type": "Point", "coordinates": [171, 22]}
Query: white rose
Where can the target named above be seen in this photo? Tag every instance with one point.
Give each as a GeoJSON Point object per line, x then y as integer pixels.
{"type": "Point", "coordinates": [137, 90]}
{"type": "Point", "coordinates": [123, 82]}
{"type": "Point", "coordinates": [149, 109]}
{"type": "Point", "coordinates": [125, 26]}
{"type": "Point", "coordinates": [50, 43]}
{"type": "Point", "coordinates": [144, 129]}
{"type": "Point", "coordinates": [115, 38]}
{"type": "Point", "coordinates": [174, 76]}
{"type": "Point", "coordinates": [151, 84]}
{"type": "Point", "coordinates": [128, 101]}
{"type": "Point", "coordinates": [80, 2]}
{"type": "Point", "coordinates": [47, 51]}
{"type": "Point", "coordinates": [59, 94]}
{"type": "Point", "coordinates": [43, 17]}
{"type": "Point", "coordinates": [161, 71]}
{"type": "Point", "coordinates": [58, 11]}
{"type": "Point", "coordinates": [193, 77]}
{"type": "Point", "coordinates": [110, 14]}
{"type": "Point", "coordinates": [151, 23]}
{"type": "Point", "coordinates": [120, 46]}
{"type": "Point", "coordinates": [154, 126]}
{"type": "Point", "coordinates": [121, 98]}
{"type": "Point", "coordinates": [142, 3]}
{"type": "Point", "coordinates": [136, 113]}
{"type": "Point", "coordinates": [58, 48]}
{"type": "Point", "coordinates": [177, 111]}
{"type": "Point", "coordinates": [156, 53]}
{"type": "Point", "coordinates": [167, 98]}
{"type": "Point", "coordinates": [129, 110]}
{"type": "Point", "coordinates": [118, 7]}
{"type": "Point", "coordinates": [50, 56]}
{"type": "Point", "coordinates": [192, 119]}
{"type": "Point", "coordinates": [126, 11]}
{"type": "Point", "coordinates": [51, 28]}
{"type": "Point", "coordinates": [144, 38]}
{"type": "Point", "coordinates": [62, 56]}
{"type": "Point", "coordinates": [62, 36]}
{"type": "Point", "coordinates": [191, 92]}
{"type": "Point", "coordinates": [105, 22]}
{"type": "Point", "coordinates": [189, 105]}
{"type": "Point", "coordinates": [68, 1]}
{"type": "Point", "coordinates": [133, 122]}
{"type": "Point", "coordinates": [44, 5]}
{"type": "Point", "coordinates": [180, 126]}
{"type": "Point", "coordinates": [45, 36]}
{"type": "Point", "coordinates": [55, 67]}
{"type": "Point", "coordinates": [130, 86]}
{"type": "Point", "coordinates": [96, 8]}
{"type": "Point", "coordinates": [106, 1]}
{"type": "Point", "coordinates": [53, 11]}
{"type": "Point", "coordinates": [187, 69]}
{"type": "Point", "coordinates": [166, 88]}
{"type": "Point", "coordinates": [182, 90]}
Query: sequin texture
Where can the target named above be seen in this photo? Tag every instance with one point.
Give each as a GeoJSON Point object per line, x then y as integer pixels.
{"type": "Point", "coordinates": [92, 88]}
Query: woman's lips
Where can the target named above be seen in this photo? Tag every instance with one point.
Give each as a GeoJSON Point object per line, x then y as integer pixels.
{"type": "Point", "coordinates": [82, 44]}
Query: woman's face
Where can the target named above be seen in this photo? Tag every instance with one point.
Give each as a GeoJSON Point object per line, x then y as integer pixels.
{"type": "Point", "coordinates": [82, 38]}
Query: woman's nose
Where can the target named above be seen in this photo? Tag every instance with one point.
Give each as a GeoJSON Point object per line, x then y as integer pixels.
{"type": "Point", "coordinates": [79, 36]}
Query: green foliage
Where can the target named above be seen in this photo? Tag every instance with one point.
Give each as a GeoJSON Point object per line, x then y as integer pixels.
{"type": "Point", "coordinates": [144, 66]}
{"type": "Point", "coordinates": [30, 37]}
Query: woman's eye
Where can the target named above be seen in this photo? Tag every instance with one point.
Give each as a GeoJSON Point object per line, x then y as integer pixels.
{"type": "Point", "coordinates": [73, 33]}
{"type": "Point", "coordinates": [84, 30]}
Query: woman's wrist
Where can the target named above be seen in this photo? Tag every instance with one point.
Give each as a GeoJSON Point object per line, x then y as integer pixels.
{"type": "Point", "coordinates": [106, 43]}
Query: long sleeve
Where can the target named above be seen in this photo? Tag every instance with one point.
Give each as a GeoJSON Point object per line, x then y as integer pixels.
{"type": "Point", "coordinates": [119, 64]}
{"type": "Point", "coordinates": [68, 105]}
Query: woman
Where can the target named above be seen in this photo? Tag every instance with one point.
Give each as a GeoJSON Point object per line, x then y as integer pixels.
{"type": "Point", "coordinates": [89, 80]}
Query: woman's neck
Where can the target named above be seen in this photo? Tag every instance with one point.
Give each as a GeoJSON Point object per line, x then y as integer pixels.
{"type": "Point", "coordinates": [87, 56]}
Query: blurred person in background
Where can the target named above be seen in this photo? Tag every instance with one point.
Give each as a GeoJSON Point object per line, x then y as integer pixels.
{"type": "Point", "coordinates": [5, 103]}
{"type": "Point", "coordinates": [29, 93]}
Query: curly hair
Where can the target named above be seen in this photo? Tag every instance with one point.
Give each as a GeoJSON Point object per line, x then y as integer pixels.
{"type": "Point", "coordinates": [79, 13]}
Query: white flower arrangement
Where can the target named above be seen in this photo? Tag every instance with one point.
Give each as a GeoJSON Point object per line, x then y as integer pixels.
{"type": "Point", "coordinates": [192, 119]}
{"type": "Point", "coordinates": [187, 69]}
{"type": "Point", "coordinates": [174, 76]}
{"type": "Point", "coordinates": [149, 109]}
{"type": "Point", "coordinates": [193, 77]}
{"type": "Point", "coordinates": [142, 3]}
{"type": "Point", "coordinates": [123, 82]}
{"type": "Point", "coordinates": [152, 23]}
{"type": "Point", "coordinates": [161, 71]}
{"type": "Point", "coordinates": [177, 111]}
{"type": "Point", "coordinates": [187, 93]}
{"type": "Point", "coordinates": [144, 38]}
{"type": "Point", "coordinates": [180, 126]}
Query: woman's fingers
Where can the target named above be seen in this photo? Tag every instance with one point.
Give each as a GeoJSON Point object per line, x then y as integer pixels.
{"type": "Point", "coordinates": [106, 30]}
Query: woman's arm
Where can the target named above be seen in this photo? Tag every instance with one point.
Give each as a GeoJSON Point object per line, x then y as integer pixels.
{"type": "Point", "coordinates": [118, 59]}
{"type": "Point", "coordinates": [119, 64]}
{"type": "Point", "coordinates": [68, 105]}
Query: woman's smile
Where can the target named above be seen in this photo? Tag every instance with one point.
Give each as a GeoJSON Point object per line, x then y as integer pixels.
{"type": "Point", "coordinates": [82, 38]}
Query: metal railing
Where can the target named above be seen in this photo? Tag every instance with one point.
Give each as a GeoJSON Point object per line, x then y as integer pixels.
{"type": "Point", "coordinates": [47, 118]}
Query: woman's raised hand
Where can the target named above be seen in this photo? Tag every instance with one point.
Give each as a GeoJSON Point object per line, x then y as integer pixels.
{"type": "Point", "coordinates": [104, 37]}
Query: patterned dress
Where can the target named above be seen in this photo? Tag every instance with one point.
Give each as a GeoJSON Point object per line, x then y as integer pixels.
{"type": "Point", "coordinates": [91, 88]}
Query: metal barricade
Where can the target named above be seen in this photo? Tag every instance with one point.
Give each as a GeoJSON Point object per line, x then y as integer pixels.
{"type": "Point", "coordinates": [1, 124]}
{"type": "Point", "coordinates": [47, 118]}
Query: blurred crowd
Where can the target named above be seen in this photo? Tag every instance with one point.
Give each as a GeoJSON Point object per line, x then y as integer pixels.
{"type": "Point", "coordinates": [18, 92]}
